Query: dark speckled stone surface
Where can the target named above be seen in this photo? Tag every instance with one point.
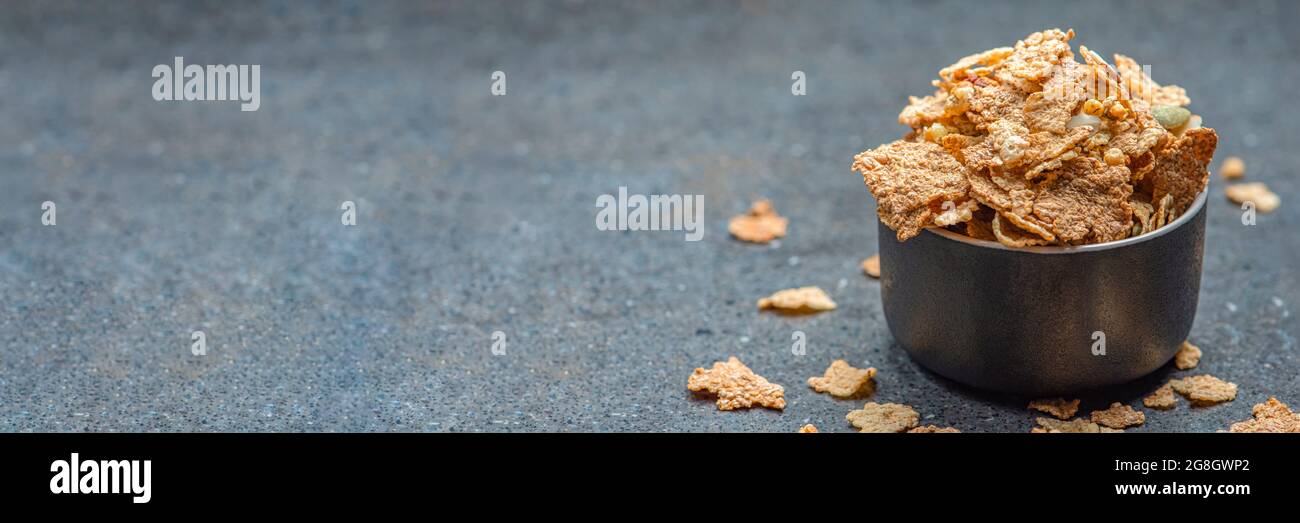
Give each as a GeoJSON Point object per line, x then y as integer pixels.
{"type": "Point", "coordinates": [476, 213]}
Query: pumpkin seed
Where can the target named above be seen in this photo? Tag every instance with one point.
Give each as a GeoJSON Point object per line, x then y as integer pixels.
{"type": "Point", "coordinates": [1171, 116]}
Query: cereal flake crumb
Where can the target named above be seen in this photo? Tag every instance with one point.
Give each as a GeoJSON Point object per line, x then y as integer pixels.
{"type": "Point", "coordinates": [1233, 168]}
{"type": "Point", "coordinates": [887, 417]}
{"type": "Point", "coordinates": [1162, 399]}
{"type": "Point", "coordinates": [933, 429]}
{"type": "Point", "coordinates": [736, 386]}
{"type": "Point", "coordinates": [802, 300]}
{"type": "Point", "coordinates": [871, 266]}
{"type": "Point", "coordinates": [844, 381]}
{"type": "Point", "coordinates": [760, 225]}
{"type": "Point", "coordinates": [1058, 407]}
{"type": "Point", "coordinates": [808, 429]}
{"type": "Point", "coordinates": [1204, 389]}
{"type": "Point", "coordinates": [1271, 416]}
{"type": "Point", "coordinates": [1188, 356]}
{"type": "Point", "coordinates": [1118, 416]}
{"type": "Point", "coordinates": [1257, 193]}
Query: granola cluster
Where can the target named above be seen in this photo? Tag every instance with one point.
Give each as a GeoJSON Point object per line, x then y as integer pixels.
{"type": "Point", "coordinates": [1027, 146]}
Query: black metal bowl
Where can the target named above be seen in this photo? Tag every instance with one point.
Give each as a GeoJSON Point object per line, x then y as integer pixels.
{"type": "Point", "coordinates": [1043, 320]}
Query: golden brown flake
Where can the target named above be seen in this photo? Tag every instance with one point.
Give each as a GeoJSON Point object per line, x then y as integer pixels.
{"type": "Point", "coordinates": [933, 429]}
{"type": "Point", "coordinates": [871, 266]}
{"type": "Point", "coordinates": [1088, 202]}
{"type": "Point", "coordinates": [911, 180]}
{"type": "Point", "coordinates": [1078, 425]}
{"type": "Point", "coordinates": [736, 386]}
{"type": "Point", "coordinates": [760, 225]}
{"type": "Point", "coordinates": [1012, 236]}
{"type": "Point", "coordinates": [808, 429]}
{"type": "Point", "coordinates": [1203, 389]}
{"type": "Point", "coordinates": [1181, 167]}
{"type": "Point", "coordinates": [1255, 192]}
{"type": "Point", "coordinates": [1118, 416]}
{"type": "Point", "coordinates": [803, 300]}
{"type": "Point", "coordinates": [1188, 356]}
{"type": "Point", "coordinates": [844, 381]}
{"type": "Point", "coordinates": [1233, 168]}
{"type": "Point", "coordinates": [1058, 407]}
{"type": "Point", "coordinates": [1270, 416]}
{"type": "Point", "coordinates": [887, 417]}
{"type": "Point", "coordinates": [1162, 399]}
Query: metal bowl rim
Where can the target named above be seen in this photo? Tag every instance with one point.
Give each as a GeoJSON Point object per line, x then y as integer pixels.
{"type": "Point", "coordinates": [1072, 249]}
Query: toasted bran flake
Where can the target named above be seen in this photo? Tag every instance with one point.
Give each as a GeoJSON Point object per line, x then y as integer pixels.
{"type": "Point", "coordinates": [1204, 389]}
{"type": "Point", "coordinates": [1270, 416]}
{"type": "Point", "coordinates": [871, 266]}
{"type": "Point", "coordinates": [1188, 356]}
{"type": "Point", "coordinates": [800, 300]}
{"type": "Point", "coordinates": [808, 429]}
{"type": "Point", "coordinates": [1264, 199]}
{"type": "Point", "coordinates": [1058, 407]}
{"type": "Point", "coordinates": [1162, 399]}
{"type": "Point", "coordinates": [736, 386]}
{"type": "Point", "coordinates": [1180, 168]}
{"type": "Point", "coordinates": [1233, 168]}
{"type": "Point", "coordinates": [910, 181]}
{"type": "Point", "coordinates": [933, 429]}
{"type": "Point", "coordinates": [844, 381]}
{"type": "Point", "coordinates": [887, 417]}
{"type": "Point", "coordinates": [760, 225]}
{"type": "Point", "coordinates": [1079, 425]}
{"type": "Point", "coordinates": [1118, 416]}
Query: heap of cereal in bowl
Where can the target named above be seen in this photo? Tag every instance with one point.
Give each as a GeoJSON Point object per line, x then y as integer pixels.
{"type": "Point", "coordinates": [1027, 146]}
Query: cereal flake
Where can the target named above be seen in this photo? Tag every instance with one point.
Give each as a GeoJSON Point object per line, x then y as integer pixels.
{"type": "Point", "coordinates": [1204, 390]}
{"type": "Point", "coordinates": [1118, 416]}
{"type": "Point", "coordinates": [1058, 407]}
{"type": "Point", "coordinates": [933, 429]}
{"type": "Point", "coordinates": [844, 381]}
{"type": "Point", "coordinates": [1256, 192]}
{"type": "Point", "coordinates": [808, 429]}
{"type": "Point", "coordinates": [803, 300]}
{"type": "Point", "coordinates": [760, 225]}
{"type": "Point", "coordinates": [1188, 356]}
{"type": "Point", "coordinates": [1162, 399]}
{"type": "Point", "coordinates": [1270, 416]}
{"type": "Point", "coordinates": [871, 266]}
{"type": "Point", "coordinates": [736, 386]}
{"type": "Point", "coordinates": [887, 417]}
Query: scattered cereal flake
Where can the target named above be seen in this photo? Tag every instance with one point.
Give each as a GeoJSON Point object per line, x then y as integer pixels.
{"type": "Point", "coordinates": [1078, 425]}
{"type": "Point", "coordinates": [844, 381]}
{"type": "Point", "coordinates": [1204, 389]}
{"type": "Point", "coordinates": [1188, 356]}
{"type": "Point", "coordinates": [808, 429]}
{"type": "Point", "coordinates": [760, 225]}
{"type": "Point", "coordinates": [1256, 192]}
{"type": "Point", "coordinates": [736, 386]}
{"type": "Point", "coordinates": [910, 181]}
{"type": "Point", "coordinates": [1162, 399]}
{"type": "Point", "coordinates": [802, 300]}
{"type": "Point", "coordinates": [871, 266]}
{"type": "Point", "coordinates": [933, 429]}
{"type": "Point", "coordinates": [1233, 168]}
{"type": "Point", "coordinates": [1087, 202]}
{"type": "Point", "coordinates": [887, 417]}
{"type": "Point", "coordinates": [1058, 407]}
{"type": "Point", "coordinates": [1271, 416]}
{"type": "Point", "coordinates": [1180, 167]}
{"type": "Point", "coordinates": [1118, 416]}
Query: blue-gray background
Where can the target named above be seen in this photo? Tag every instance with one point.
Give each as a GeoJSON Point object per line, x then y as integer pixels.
{"type": "Point", "coordinates": [476, 212]}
